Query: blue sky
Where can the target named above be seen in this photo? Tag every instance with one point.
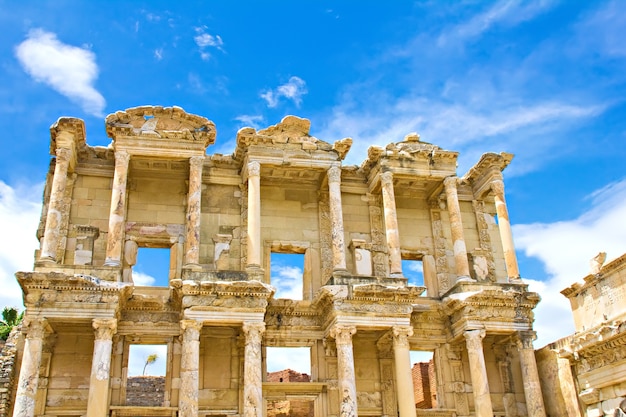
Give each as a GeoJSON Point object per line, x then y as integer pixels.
{"type": "Point", "coordinates": [545, 80]}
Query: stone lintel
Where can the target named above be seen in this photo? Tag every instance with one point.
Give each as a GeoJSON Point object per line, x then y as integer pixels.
{"type": "Point", "coordinates": [224, 317]}
{"type": "Point", "coordinates": [487, 169]}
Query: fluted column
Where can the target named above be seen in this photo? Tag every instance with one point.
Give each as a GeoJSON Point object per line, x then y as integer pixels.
{"type": "Point", "coordinates": [55, 205]}
{"type": "Point", "coordinates": [530, 375]}
{"type": "Point", "coordinates": [504, 226]}
{"type": "Point", "coordinates": [189, 364]}
{"type": "Point", "coordinates": [253, 370]}
{"type": "Point", "coordinates": [336, 218]}
{"type": "Point", "coordinates": [254, 214]}
{"type": "Point", "coordinates": [194, 196]}
{"type": "Point", "coordinates": [478, 372]}
{"type": "Point", "coordinates": [391, 223]}
{"type": "Point", "coordinates": [404, 375]}
{"type": "Point", "coordinates": [345, 369]}
{"type": "Point", "coordinates": [456, 226]}
{"type": "Point", "coordinates": [117, 213]}
{"type": "Point", "coordinates": [29, 371]}
{"type": "Point", "coordinates": [98, 401]}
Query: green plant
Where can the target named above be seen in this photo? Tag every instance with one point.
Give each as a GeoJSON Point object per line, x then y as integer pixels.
{"type": "Point", "coordinates": [11, 317]}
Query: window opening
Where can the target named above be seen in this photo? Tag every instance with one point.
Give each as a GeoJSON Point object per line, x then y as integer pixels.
{"type": "Point", "coordinates": [290, 408]}
{"type": "Point", "coordinates": [413, 270]}
{"type": "Point", "coordinates": [152, 267]}
{"type": "Point", "coordinates": [145, 383]}
{"type": "Point", "coordinates": [288, 364]}
{"type": "Point", "coordinates": [286, 275]}
{"type": "Point", "coordinates": [424, 380]}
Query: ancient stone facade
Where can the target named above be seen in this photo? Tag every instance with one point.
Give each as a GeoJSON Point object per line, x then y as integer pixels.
{"type": "Point", "coordinates": [586, 372]}
{"type": "Point", "coordinates": [221, 217]}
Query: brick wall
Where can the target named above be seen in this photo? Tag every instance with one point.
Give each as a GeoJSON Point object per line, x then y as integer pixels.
{"type": "Point", "coordinates": [145, 391]}
{"type": "Point", "coordinates": [287, 375]}
{"type": "Point", "coordinates": [424, 384]}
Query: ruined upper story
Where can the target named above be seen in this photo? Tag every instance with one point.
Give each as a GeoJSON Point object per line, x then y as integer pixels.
{"type": "Point", "coordinates": [280, 191]}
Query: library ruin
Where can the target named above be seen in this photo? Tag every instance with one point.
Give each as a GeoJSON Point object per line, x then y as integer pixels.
{"type": "Point", "coordinates": [221, 218]}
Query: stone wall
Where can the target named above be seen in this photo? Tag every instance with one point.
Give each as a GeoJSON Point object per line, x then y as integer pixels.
{"type": "Point", "coordinates": [287, 375]}
{"type": "Point", "coordinates": [145, 391]}
{"type": "Point", "coordinates": [8, 371]}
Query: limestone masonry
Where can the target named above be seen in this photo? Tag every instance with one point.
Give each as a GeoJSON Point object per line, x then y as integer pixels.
{"type": "Point", "coordinates": [222, 217]}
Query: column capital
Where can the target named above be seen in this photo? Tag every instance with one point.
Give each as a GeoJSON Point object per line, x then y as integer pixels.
{"type": "Point", "coordinates": [474, 338]}
{"type": "Point", "coordinates": [104, 329]}
{"type": "Point", "coordinates": [254, 169]}
{"type": "Point", "coordinates": [386, 177]}
{"type": "Point", "coordinates": [196, 161]}
{"type": "Point", "coordinates": [63, 154]}
{"type": "Point", "coordinates": [36, 329]}
{"type": "Point", "coordinates": [334, 173]}
{"type": "Point", "coordinates": [191, 329]}
{"type": "Point", "coordinates": [450, 182]}
{"type": "Point", "coordinates": [401, 336]}
{"type": "Point", "coordinates": [253, 331]}
{"type": "Point", "coordinates": [497, 186]}
{"type": "Point", "coordinates": [342, 333]}
{"type": "Point", "coordinates": [122, 157]}
{"type": "Point", "coordinates": [525, 339]}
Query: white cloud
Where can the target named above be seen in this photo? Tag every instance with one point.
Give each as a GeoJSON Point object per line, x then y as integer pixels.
{"type": "Point", "coordinates": [565, 249]}
{"type": "Point", "coordinates": [504, 12]}
{"type": "Point", "coordinates": [250, 120]}
{"type": "Point", "coordinates": [205, 40]}
{"type": "Point", "coordinates": [158, 53]}
{"type": "Point", "coordinates": [296, 359]}
{"type": "Point", "coordinates": [288, 282]}
{"type": "Point", "coordinates": [138, 354]}
{"type": "Point", "coordinates": [20, 209]}
{"type": "Point", "coordinates": [292, 90]}
{"type": "Point", "coordinates": [141, 279]}
{"type": "Point", "coordinates": [68, 69]}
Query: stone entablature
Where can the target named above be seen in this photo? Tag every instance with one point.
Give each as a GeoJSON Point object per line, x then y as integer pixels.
{"type": "Point", "coordinates": [221, 217]}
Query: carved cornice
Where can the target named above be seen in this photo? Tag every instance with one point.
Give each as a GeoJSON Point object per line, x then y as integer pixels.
{"type": "Point", "coordinates": [487, 169]}
{"type": "Point", "coordinates": [607, 271]}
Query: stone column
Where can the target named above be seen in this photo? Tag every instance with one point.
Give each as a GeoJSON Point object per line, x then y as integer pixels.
{"type": "Point", "coordinates": [118, 210]}
{"type": "Point", "coordinates": [336, 218]}
{"type": "Point", "coordinates": [480, 384]}
{"type": "Point", "coordinates": [530, 375]}
{"type": "Point", "coordinates": [194, 195]}
{"type": "Point", "coordinates": [391, 223]}
{"type": "Point", "coordinates": [29, 372]}
{"type": "Point", "coordinates": [254, 215]}
{"type": "Point", "coordinates": [98, 402]}
{"type": "Point", "coordinates": [189, 364]}
{"type": "Point", "coordinates": [456, 226]}
{"type": "Point", "coordinates": [504, 226]}
{"type": "Point", "coordinates": [345, 369]}
{"type": "Point", "coordinates": [253, 370]}
{"type": "Point", "coordinates": [55, 205]}
{"type": "Point", "coordinates": [404, 375]}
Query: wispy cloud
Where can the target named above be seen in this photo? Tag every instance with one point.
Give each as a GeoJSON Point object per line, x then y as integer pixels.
{"type": "Point", "coordinates": [70, 70]}
{"type": "Point", "coordinates": [292, 90]}
{"type": "Point", "coordinates": [141, 279]}
{"type": "Point", "coordinates": [565, 249]}
{"type": "Point", "coordinates": [158, 54]}
{"type": "Point", "coordinates": [20, 208]}
{"type": "Point", "coordinates": [250, 120]}
{"type": "Point", "coordinates": [504, 12]}
{"type": "Point", "coordinates": [205, 41]}
{"type": "Point", "coordinates": [603, 31]}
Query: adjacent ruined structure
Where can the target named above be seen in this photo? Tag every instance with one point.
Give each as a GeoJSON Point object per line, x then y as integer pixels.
{"type": "Point", "coordinates": [222, 217]}
{"type": "Point", "coordinates": [587, 370]}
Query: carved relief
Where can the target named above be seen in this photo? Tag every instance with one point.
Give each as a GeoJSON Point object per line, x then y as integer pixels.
{"type": "Point", "coordinates": [441, 255]}
{"type": "Point", "coordinates": [379, 248]}
{"type": "Point", "coordinates": [485, 244]}
{"type": "Point", "coordinates": [326, 248]}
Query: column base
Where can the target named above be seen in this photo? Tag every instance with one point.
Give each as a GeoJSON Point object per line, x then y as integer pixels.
{"type": "Point", "coordinates": [465, 279]}
{"type": "Point", "coordinates": [46, 260]}
{"type": "Point", "coordinates": [193, 267]}
{"type": "Point", "coordinates": [112, 262]}
{"type": "Point", "coordinates": [255, 272]}
{"type": "Point", "coordinates": [340, 272]}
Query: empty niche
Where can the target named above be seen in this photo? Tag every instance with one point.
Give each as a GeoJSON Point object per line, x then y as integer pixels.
{"type": "Point", "coordinates": [145, 382]}
{"type": "Point", "coordinates": [287, 275]}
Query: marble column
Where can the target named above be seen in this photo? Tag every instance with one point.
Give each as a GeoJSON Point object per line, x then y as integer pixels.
{"type": "Point", "coordinates": [98, 400]}
{"type": "Point", "coordinates": [336, 218]}
{"type": "Point", "coordinates": [189, 365]}
{"type": "Point", "coordinates": [194, 195]}
{"type": "Point", "coordinates": [55, 206]}
{"type": "Point", "coordinates": [504, 226]}
{"type": "Point", "coordinates": [404, 375]}
{"type": "Point", "coordinates": [456, 226]}
{"type": "Point", "coordinates": [391, 223]}
{"type": "Point", "coordinates": [345, 369]}
{"type": "Point", "coordinates": [478, 372]}
{"type": "Point", "coordinates": [117, 214]}
{"type": "Point", "coordinates": [254, 215]}
{"type": "Point", "coordinates": [530, 374]}
{"type": "Point", "coordinates": [27, 384]}
{"type": "Point", "coordinates": [253, 370]}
